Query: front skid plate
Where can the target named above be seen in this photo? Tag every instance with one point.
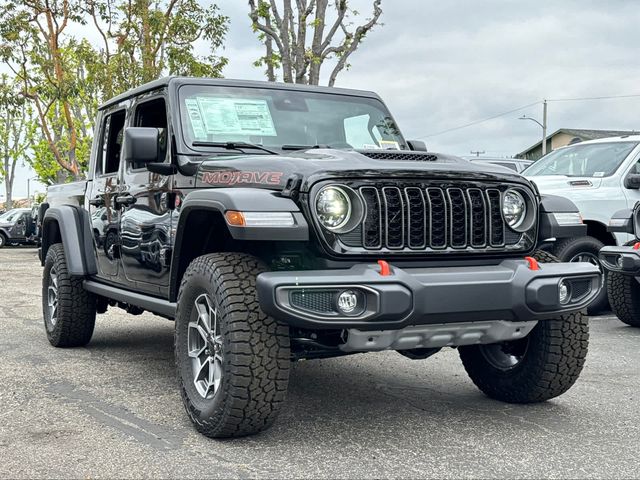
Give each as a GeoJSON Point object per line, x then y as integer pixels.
{"type": "Point", "coordinates": [436, 335]}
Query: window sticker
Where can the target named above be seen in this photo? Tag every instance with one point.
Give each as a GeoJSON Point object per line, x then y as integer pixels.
{"type": "Point", "coordinates": [370, 146]}
{"type": "Point", "coordinates": [230, 116]}
{"type": "Point", "coordinates": [599, 174]}
{"type": "Point", "coordinates": [389, 145]}
{"type": "Point", "coordinates": [196, 118]}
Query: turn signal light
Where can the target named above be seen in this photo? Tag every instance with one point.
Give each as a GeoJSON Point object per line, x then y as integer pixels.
{"type": "Point", "coordinates": [235, 218]}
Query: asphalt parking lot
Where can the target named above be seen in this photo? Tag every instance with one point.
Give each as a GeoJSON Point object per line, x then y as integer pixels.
{"type": "Point", "coordinates": [112, 409]}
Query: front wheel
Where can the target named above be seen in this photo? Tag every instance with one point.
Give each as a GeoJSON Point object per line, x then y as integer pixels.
{"type": "Point", "coordinates": [541, 366]}
{"type": "Point", "coordinates": [232, 359]}
{"type": "Point", "coordinates": [3, 240]}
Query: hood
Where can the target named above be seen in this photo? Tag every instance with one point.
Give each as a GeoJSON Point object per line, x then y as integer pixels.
{"type": "Point", "coordinates": [273, 171]}
{"type": "Point", "coordinates": [556, 183]}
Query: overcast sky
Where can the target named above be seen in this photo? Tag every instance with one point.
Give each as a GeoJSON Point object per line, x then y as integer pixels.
{"type": "Point", "coordinates": [441, 64]}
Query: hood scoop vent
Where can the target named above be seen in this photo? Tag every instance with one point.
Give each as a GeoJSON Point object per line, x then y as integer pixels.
{"type": "Point", "coordinates": [396, 155]}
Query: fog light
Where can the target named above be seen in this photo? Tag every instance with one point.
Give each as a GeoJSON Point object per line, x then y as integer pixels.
{"type": "Point", "coordinates": [348, 301]}
{"type": "Point", "coordinates": [564, 293]}
{"type": "Point", "coordinates": [620, 261]}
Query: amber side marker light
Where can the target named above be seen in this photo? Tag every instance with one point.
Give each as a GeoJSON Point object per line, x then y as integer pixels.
{"type": "Point", "coordinates": [235, 218]}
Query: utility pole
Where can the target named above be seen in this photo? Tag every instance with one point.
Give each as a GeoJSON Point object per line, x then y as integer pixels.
{"type": "Point", "coordinates": [543, 125]}
{"type": "Point", "coordinates": [544, 128]}
{"type": "Point", "coordinates": [477, 153]}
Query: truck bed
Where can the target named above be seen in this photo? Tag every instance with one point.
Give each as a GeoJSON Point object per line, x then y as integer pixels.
{"type": "Point", "coordinates": [67, 193]}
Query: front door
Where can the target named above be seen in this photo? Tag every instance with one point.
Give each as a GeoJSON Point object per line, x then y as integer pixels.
{"type": "Point", "coordinates": [102, 191]}
{"type": "Point", "coordinates": [145, 217]}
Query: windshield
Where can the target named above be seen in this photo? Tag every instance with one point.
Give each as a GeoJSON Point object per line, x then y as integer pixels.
{"type": "Point", "coordinates": [590, 160]}
{"type": "Point", "coordinates": [11, 216]}
{"type": "Point", "coordinates": [284, 118]}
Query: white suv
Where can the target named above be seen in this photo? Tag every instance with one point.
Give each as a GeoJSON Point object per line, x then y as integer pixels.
{"type": "Point", "coordinates": [601, 177]}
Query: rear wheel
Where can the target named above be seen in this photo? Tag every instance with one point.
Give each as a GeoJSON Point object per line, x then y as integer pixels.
{"type": "Point", "coordinates": [624, 297]}
{"type": "Point", "coordinates": [584, 249]}
{"type": "Point", "coordinates": [232, 359]}
{"type": "Point", "coordinates": [69, 310]}
{"type": "Point", "coordinates": [541, 366]}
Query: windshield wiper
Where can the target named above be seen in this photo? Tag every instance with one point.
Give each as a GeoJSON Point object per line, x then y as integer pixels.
{"type": "Point", "coordinates": [302, 147]}
{"type": "Point", "coordinates": [239, 146]}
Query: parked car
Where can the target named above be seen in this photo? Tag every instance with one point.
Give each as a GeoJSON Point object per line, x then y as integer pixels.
{"type": "Point", "coordinates": [623, 266]}
{"type": "Point", "coordinates": [515, 164]}
{"type": "Point", "coordinates": [291, 222]}
{"type": "Point", "coordinates": [18, 226]}
{"type": "Point", "coordinates": [601, 177]}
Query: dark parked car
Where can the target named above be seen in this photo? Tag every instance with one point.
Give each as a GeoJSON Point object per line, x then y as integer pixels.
{"type": "Point", "coordinates": [278, 222]}
{"type": "Point", "coordinates": [18, 226]}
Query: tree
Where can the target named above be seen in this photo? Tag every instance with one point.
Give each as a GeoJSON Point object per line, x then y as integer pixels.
{"type": "Point", "coordinates": [141, 40]}
{"type": "Point", "coordinates": [14, 134]}
{"type": "Point", "coordinates": [301, 53]}
{"type": "Point", "coordinates": [65, 78]}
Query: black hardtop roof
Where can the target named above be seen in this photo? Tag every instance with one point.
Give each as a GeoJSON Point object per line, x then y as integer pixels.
{"type": "Point", "coordinates": [177, 81]}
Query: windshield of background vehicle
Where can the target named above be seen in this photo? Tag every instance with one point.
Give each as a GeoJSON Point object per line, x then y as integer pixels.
{"type": "Point", "coordinates": [273, 118]}
{"type": "Point", "coordinates": [11, 215]}
{"type": "Point", "coordinates": [591, 160]}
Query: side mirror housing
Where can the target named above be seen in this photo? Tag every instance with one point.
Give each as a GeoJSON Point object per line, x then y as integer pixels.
{"type": "Point", "coordinates": [141, 145]}
{"type": "Point", "coordinates": [632, 181]}
{"type": "Point", "coordinates": [417, 145]}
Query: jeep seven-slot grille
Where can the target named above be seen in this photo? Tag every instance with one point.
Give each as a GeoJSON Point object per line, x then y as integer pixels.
{"type": "Point", "coordinates": [419, 218]}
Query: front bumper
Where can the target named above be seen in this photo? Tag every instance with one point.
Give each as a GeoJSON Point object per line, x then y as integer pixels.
{"type": "Point", "coordinates": [622, 259]}
{"type": "Point", "coordinates": [510, 291]}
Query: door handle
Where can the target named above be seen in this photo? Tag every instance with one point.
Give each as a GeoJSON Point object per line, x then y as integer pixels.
{"type": "Point", "coordinates": [97, 202]}
{"type": "Point", "coordinates": [125, 200]}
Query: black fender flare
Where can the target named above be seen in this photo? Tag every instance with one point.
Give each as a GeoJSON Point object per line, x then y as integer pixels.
{"type": "Point", "coordinates": [71, 225]}
{"type": "Point", "coordinates": [549, 227]}
{"type": "Point", "coordinates": [221, 200]}
{"type": "Point", "coordinates": [5, 233]}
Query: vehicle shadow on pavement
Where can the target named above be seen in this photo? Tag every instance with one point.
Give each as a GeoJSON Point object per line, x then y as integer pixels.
{"type": "Point", "coordinates": [358, 393]}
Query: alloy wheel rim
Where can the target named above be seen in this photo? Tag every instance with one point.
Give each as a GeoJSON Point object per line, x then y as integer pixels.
{"type": "Point", "coordinates": [52, 297]}
{"type": "Point", "coordinates": [506, 355]}
{"type": "Point", "coordinates": [205, 347]}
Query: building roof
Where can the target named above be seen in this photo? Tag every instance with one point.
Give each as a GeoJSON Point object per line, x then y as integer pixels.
{"type": "Point", "coordinates": [582, 134]}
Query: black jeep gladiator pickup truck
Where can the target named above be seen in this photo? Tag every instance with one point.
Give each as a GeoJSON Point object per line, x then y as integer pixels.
{"type": "Point", "coordinates": [278, 222]}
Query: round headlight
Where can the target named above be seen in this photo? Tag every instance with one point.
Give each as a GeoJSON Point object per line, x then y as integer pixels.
{"type": "Point", "coordinates": [333, 207]}
{"type": "Point", "coordinates": [514, 208]}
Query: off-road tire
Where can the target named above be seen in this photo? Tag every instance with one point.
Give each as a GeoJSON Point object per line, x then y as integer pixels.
{"type": "Point", "coordinates": [551, 364]}
{"type": "Point", "coordinates": [568, 248]}
{"type": "Point", "coordinates": [76, 311]}
{"type": "Point", "coordinates": [3, 240]}
{"type": "Point", "coordinates": [624, 297]}
{"type": "Point", "coordinates": [256, 348]}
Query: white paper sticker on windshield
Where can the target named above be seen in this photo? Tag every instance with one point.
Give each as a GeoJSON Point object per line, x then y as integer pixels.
{"type": "Point", "coordinates": [196, 118]}
{"type": "Point", "coordinates": [598, 174]}
{"type": "Point", "coordinates": [370, 146]}
{"type": "Point", "coordinates": [233, 116]}
{"type": "Point", "coordinates": [389, 145]}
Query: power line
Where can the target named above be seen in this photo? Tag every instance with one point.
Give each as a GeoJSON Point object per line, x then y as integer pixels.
{"type": "Point", "coordinates": [476, 122]}
{"type": "Point", "coordinates": [592, 98]}
{"type": "Point", "coordinates": [479, 121]}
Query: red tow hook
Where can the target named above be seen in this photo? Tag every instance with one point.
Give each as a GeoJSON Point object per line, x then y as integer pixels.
{"type": "Point", "coordinates": [385, 268]}
{"type": "Point", "coordinates": [636, 246]}
{"type": "Point", "coordinates": [533, 263]}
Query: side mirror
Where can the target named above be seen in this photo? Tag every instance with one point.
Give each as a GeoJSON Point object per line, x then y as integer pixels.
{"type": "Point", "coordinates": [417, 145]}
{"type": "Point", "coordinates": [632, 181]}
{"type": "Point", "coordinates": [141, 145]}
